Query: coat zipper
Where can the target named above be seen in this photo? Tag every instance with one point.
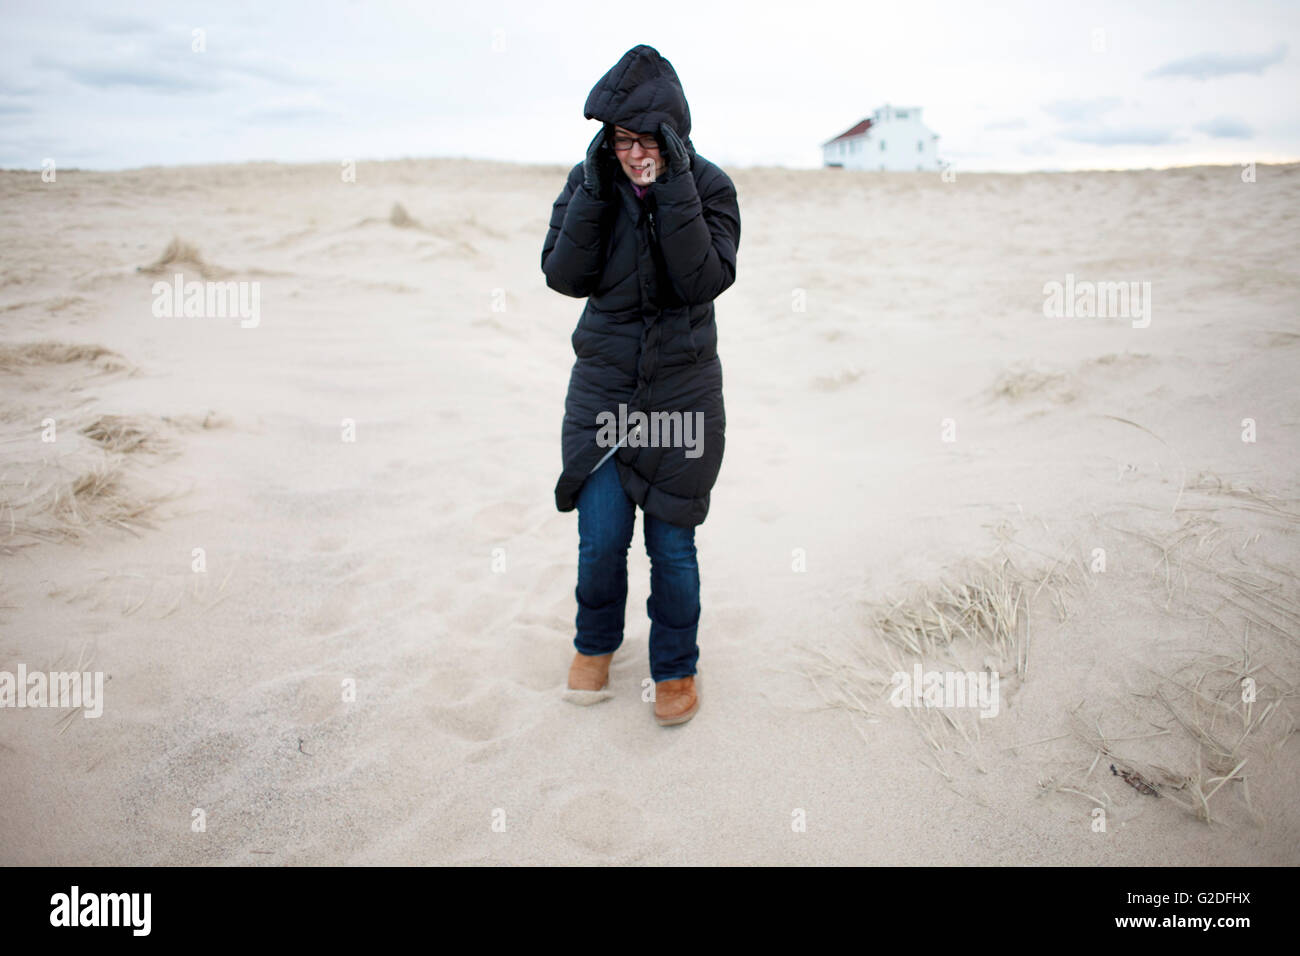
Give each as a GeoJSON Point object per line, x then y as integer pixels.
{"type": "Point", "coordinates": [654, 239]}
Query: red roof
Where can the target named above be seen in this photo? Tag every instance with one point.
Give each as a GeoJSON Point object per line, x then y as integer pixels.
{"type": "Point", "coordinates": [857, 130]}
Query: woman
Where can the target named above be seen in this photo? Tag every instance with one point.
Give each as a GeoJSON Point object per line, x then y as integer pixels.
{"type": "Point", "coordinates": [646, 230]}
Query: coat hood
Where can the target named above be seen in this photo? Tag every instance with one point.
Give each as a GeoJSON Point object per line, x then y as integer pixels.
{"type": "Point", "coordinates": [640, 92]}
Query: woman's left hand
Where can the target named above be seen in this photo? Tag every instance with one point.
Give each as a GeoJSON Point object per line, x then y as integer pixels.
{"type": "Point", "coordinates": [674, 151]}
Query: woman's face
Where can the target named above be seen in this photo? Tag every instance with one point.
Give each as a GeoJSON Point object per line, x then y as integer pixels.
{"type": "Point", "coordinates": [642, 166]}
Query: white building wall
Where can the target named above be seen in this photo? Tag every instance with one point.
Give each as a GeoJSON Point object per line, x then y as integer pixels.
{"type": "Point", "coordinates": [897, 141]}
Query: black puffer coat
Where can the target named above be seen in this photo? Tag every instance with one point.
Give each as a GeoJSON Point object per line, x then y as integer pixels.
{"type": "Point", "coordinates": [650, 269]}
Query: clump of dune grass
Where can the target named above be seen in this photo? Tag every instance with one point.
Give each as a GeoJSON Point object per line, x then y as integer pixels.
{"type": "Point", "coordinates": [975, 619]}
{"type": "Point", "coordinates": [30, 355]}
{"type": "Point", "coordinates": [124, 434]}
{"type": "Point", "coordinates": [87, 475]}
{"type": "Point", "coordinates": [985, 604]}
{"type": "Point", "coordinates": [1020, 382]}
{"type": "Point", "coordinates": [1246, 496]}
{"type": "Point", "coordinates": [400, 218]}
{"type": "Point", "coordinates": [62, 505]}
{"type": "Point", "coordinates": [97, 492]}
{"type": "Point", "coordinates": [1221, 714]}
{"type": "Point", "coordinates": [1154, 780]}
{"type": "Point", "coordinates": [188, 423]}
{"type": "Point", "coordinates": [178, 255]}
{"type": "Point", "coordinates": [1120, 358]}
{"type": "Point", "coordinates": [84, 481]}
{"type": "Point", "coordinates": [845, 376]}
{"type": "Point", "coordinates": [1198, 564]}
{"type": "Point", "coordinates": [1203, 705]}
{"type": "Point", "coordinates": [63, 302]}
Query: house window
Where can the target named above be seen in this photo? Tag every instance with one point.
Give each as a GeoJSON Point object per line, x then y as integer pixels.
{"type": "Point", "coordinates": [920, 146]}
{"type": "Point", "coordinates": [882, 145]}
{"type": "Point", "coordinates": [901, 114]}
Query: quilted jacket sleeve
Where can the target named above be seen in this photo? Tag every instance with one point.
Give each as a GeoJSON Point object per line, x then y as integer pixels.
{"type": "Point", "coordinates": [571, 255]}
{"type": "Point", "coordinates": [699, 236]}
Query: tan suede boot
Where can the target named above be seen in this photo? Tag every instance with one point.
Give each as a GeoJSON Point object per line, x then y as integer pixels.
{"type": "Point", "coordinates": [676, 701]}
{"type": "Point", "coordinates": [589, 672]}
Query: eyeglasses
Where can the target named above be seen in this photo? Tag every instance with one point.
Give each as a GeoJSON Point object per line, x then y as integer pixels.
{"type": "Point", "coordinates": [624, 143]}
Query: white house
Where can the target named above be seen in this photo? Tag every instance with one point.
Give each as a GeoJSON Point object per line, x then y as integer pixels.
{"type": "Point", "coordinates": [893, 138]}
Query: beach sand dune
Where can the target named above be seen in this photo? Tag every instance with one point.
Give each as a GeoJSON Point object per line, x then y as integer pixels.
{"type": "Point", "coordinates": [315, 554]}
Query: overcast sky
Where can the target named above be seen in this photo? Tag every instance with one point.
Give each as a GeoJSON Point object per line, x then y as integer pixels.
{"type": "Point", "coordinates": [1007, 86]}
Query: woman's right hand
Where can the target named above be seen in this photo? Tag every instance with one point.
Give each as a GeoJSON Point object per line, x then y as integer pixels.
{"type": "Point", "coordinates": [597, 175]}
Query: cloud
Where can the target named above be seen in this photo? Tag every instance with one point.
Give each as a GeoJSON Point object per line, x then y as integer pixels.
{"type": "Point", "coordinates": [12, 108]}
{"type": "Point", "coordinates": [262, 67]}
{"type": "Point", "coordinates": [172, 68]}
{"type": "Point", "coordinates": [12, 87]}
{"type": "Point", "coordinates": [1083, 124]}
{"type": "Point", "coordinates": [118, 26]}
{"type": "Point", "coordinates": [1039, 147]}
{"type": "Point", "coordinates": [1205, 66]}
{"type": "Point", "coordinates": [288, 110]}
{"type": "Point", "coordinates": [1081, 111]}
{"type": "Point", "coordinates": [1006, 124]}
{"type": "Point", "coordinates": [158, 76]}
{"type": "Point", "coordinates": [1127, 136]}
{"type": "Point", "coordinates": [1226, 127]}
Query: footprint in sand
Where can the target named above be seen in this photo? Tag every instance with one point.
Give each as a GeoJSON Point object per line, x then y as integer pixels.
{"type": "Point", "coordinates": [602, 821]}
{"type": "Point", "coordinates": [734, 620]}
{"type": "Point", "coordinates": [334, 613]}
{"type": "Point", "coordinates": [490, 713]}
{"type": "Point", "coordinates": [502, 520]}
{"type": "Point", "coordinates": [202, 762]}
{"type": "Point", "coordinates": [549, 578]}
{"type": "Point", "coordinates": [475, 620]}
{"type": "Point", "coordinates": [554, 618]}
{"type": "Point", "coordinates": [319, 698]}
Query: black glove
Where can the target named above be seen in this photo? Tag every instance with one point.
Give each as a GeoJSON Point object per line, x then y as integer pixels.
{"type": "Point", "coordinates": [597, 176]}
{"type": "Point", "coordinates": [670, 144]}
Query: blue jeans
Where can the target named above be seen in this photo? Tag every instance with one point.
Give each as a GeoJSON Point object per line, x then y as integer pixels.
{"type": "Point", "coordinates": [606, 516]}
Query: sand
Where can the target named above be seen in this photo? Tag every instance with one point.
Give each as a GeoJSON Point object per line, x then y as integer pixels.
{"type": "Point", "coordinates": [368, 665]}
